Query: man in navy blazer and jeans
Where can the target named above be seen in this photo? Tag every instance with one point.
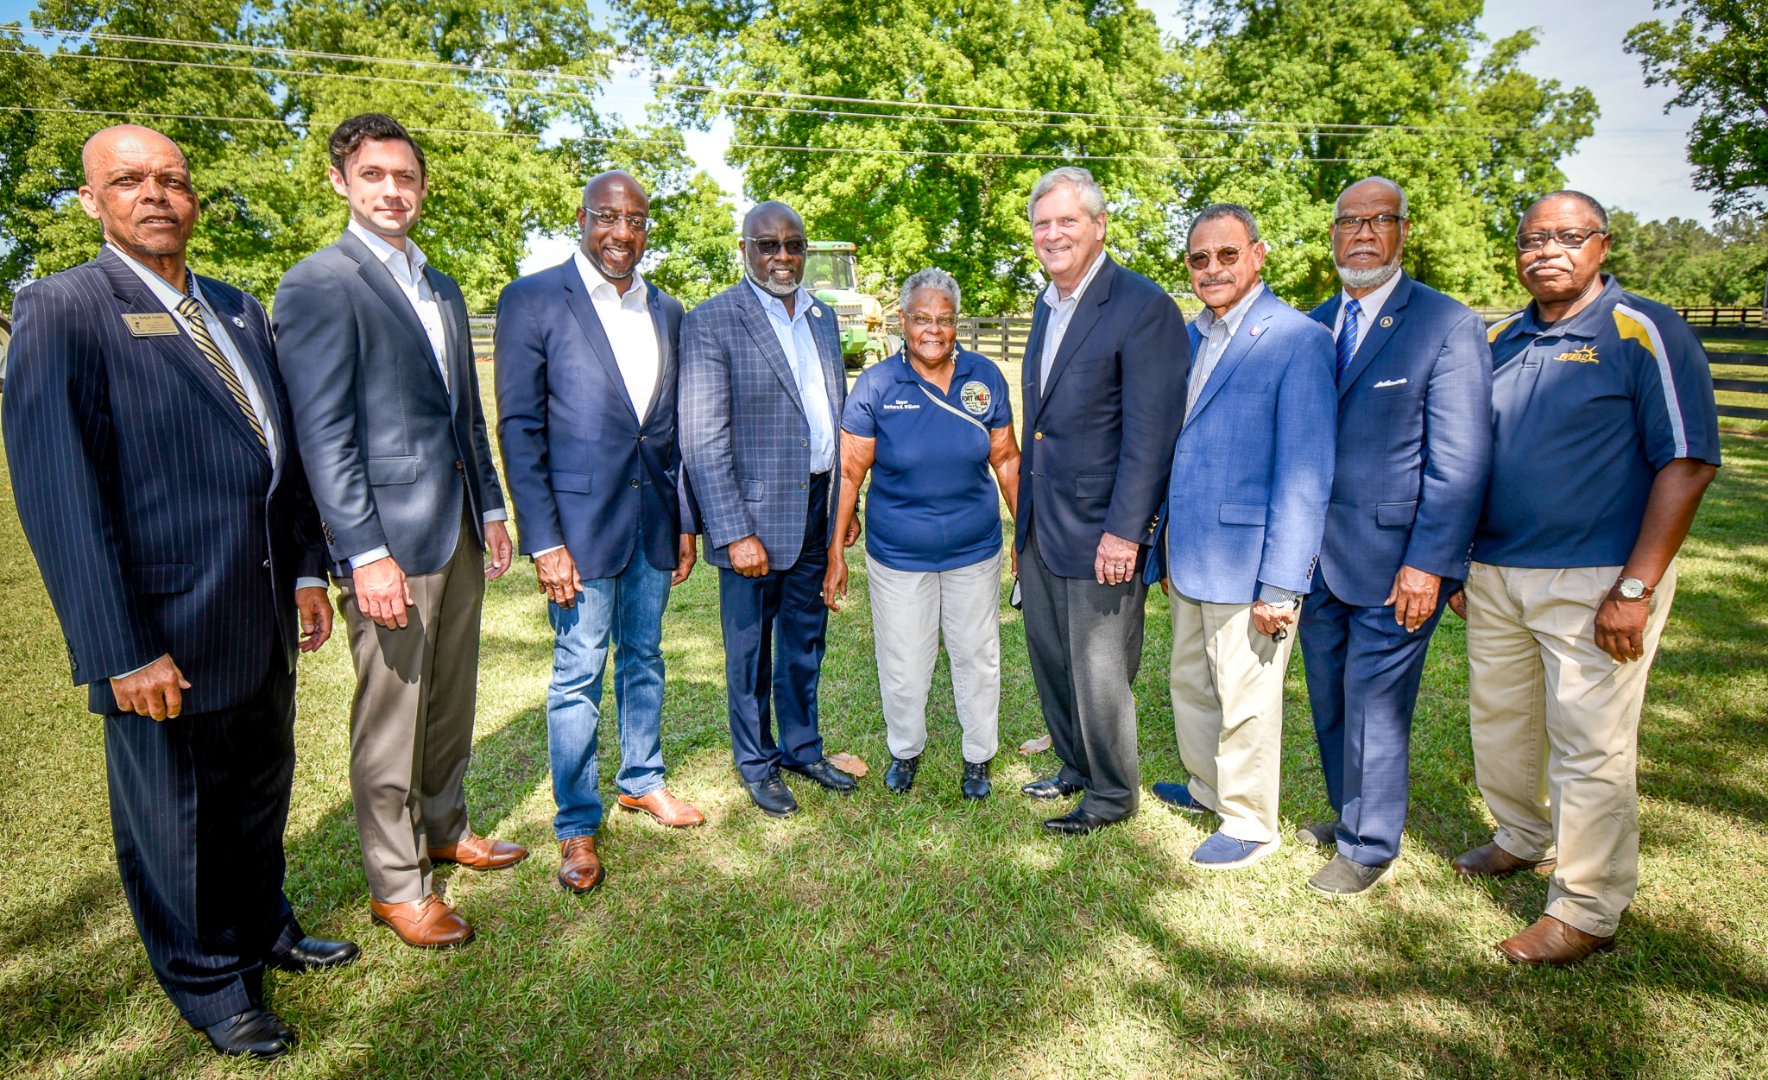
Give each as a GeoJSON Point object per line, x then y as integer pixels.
{"type": "Point", "coordinates": [762, 388]}
{"type": "Point", "coordinates": [1414, 447]}
{"type": "Point", "coordinates": [586, 378]}
{"type": "Point", "coordinates": [1104, 373]}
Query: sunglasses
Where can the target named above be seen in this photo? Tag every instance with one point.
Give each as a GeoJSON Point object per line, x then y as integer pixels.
{"type": "Point", "coordinates": [1227, 256]}
{"type": "Point", "coordinates": [769, 247]}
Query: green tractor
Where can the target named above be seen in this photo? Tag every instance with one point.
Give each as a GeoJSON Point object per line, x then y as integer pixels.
{"type": "Point", "coordinates": [830, 276]}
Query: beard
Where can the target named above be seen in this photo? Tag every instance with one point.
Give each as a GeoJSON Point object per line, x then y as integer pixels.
{"type": "Point", "coordinates": [595, 260]}
{"type": "Point", "coordinates": [1370, 278]}
{"type": "Point", "coordinates": [772, 287]}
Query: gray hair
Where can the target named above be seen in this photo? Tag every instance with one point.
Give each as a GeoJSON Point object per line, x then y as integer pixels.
{"type": "Point", "coordinates": [1405, 207]}
{"type": "Point", "coordinates": [1567, 193]}
{"type": "Point", "coordinates": [1224, 210]}
{"type": "Point", "coordinates": [931, 278]}
{"type": "Point", "coordinates": [1081, 180]}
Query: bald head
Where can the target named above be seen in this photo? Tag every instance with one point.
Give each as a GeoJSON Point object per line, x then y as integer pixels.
{"type": "Point", "coordinates": [615, 219]}
{"type": "Point", "coordinates": [138, 188]}
{"type": "Point", "coordinates": [129, 140]}
{"type": "Point", "coordinates": [773, 249]}
{"type": "Point", "coordinates": [770, 212]}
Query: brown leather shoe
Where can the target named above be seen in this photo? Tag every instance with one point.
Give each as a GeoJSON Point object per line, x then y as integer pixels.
{"type": "Point", "coordinates": [580, 868]}
{"type": "Point", "coordinates": [1554, 943]}
{"type": "Point", "coordinates": [1490, 860]}
{"type": "Point", "coordinates": [428, 923]}
{"type": "Point", "coordinates": [666, 808]}
{"type": "Point", "coordinates": [480, 853]}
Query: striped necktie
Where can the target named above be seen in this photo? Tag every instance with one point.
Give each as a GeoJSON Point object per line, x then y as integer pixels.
{"type": "Point", "coordinates": [205, 344]}
{"type": "Point", "coordinates": [1347, 339]}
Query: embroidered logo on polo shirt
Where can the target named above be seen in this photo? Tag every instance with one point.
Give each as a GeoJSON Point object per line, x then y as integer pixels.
{"type": "Point", "coordinates": [1585, 355]}
{"type": "Point", "coordinates": [975, 398]}
{"type": "Point", "coordinates": [899, 405]}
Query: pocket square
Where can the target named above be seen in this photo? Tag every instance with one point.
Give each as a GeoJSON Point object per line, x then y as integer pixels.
{"type": "Point", "coordinates": [1390, 382]}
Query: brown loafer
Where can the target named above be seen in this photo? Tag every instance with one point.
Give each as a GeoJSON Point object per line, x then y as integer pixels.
{"type": "Point", "coordinates": [666, 808]}
{"type": "Point", "coordinates": [1490, 860]}
{"type": "Point", "coordinates": [1554, 943]}
{"type": "Point", "coordinates": [480, 853]}
{"type": "Point", "coordinates": [580, 868]}
{"type": "Point", "coordinates": [428, 923]}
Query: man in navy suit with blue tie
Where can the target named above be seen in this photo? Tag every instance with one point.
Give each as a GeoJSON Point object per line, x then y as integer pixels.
{"type": "Point", "coordinates": [1245, 505]}
{"type": "Point", "coordinates": [1414, 448]}
{"type": "Point", "coordinates": [586, 379]}
{"type": "Point", "coordinates": [154, 464]}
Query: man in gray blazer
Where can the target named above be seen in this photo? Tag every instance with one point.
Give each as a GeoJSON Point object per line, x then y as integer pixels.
{"type": "Point", "coordinates": [378, 358]}
{"type": "Point", "coordinates": [762, 389]}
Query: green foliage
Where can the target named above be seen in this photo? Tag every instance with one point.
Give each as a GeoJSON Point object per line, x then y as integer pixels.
{"type": "Point", "coordinates": [1683, 262]}
{"type": "Point", "coordinates": [1715, 53]}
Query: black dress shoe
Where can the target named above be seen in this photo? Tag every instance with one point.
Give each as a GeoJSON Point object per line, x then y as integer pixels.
{"type": "Point", "coordinates": [901, 774]}
{"type": "Point", "coordinates": [975, 785]}
{"type": "Point", "coordinates": [312, 954]}
{"type": "Point", "coordinates": [1051, 787]}
{"type": "Point", "coordinates": [827, 775]}
{"type": "Point", "coordinates": [256, 1032]}
{"type": "Point", "coordinates": [1076, 822]}
{"type": "Point", "coordinates": [773, 797]}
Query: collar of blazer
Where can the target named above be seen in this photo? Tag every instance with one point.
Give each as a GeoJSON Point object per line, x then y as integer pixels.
{"type": "Point", "coordinates": [1376, 337]}
{"type": "Point", "coordinates": [1086, 316]}
{"type": "Point", "coordinates": [577, 299]}
{"type": "Point", "coordinates": [137, 298]}
{"type": "Point", "coordinates": [822, 331]}
{"type": "Point", "coordinates": [1252, 327]}
{"type": "Point", "coordinates": [380, 282]}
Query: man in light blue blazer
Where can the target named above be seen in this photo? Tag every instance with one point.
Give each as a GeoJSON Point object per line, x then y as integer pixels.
{"type": "Point", "coordinates": [762, 388]}
{"type": "Point", "coordinates": [1251, 474]}
{"type": "Point", "coordinates": [1414, 380]}
{"type": "Point", "coordinates": [586, 378]}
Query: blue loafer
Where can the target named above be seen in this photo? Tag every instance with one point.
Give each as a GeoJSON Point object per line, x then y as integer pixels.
{"type": "Point", "coordinates": [1223, 852]}
{"type": "Point", "coordinates": [1179, 797]}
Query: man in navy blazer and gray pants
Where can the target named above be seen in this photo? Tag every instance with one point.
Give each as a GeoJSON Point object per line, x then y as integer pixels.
{"type": "Point", "coordinates": [586, 381]}
{"type": "Point", "coordinates": [1104, 377]}
{"type": "Point", "coordinates": [762, 388]}
{"type": "Point", "coordinates": [1414, 448]}
{"type": "Point", "coordinates": [154, 463]}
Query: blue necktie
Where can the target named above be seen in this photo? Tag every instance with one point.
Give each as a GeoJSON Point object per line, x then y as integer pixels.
{"type": "Point", "coordinates": [1347, 339]}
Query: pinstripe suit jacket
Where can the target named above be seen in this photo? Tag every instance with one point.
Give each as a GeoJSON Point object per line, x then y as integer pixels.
{"type": "Point", "coordinates": [745, 442]}
{"type": "Point", "coordinates": [156, 519]}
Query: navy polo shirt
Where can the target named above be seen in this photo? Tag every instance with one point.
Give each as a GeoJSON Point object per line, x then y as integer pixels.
{"type": "Point", "coordinates": [1584, 414]}
{"type": "Point", "coordinates": [932, 505]}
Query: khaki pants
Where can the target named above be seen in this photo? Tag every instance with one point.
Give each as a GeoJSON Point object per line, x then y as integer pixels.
{"type": "Point", "coordinates": [411, 723]}
{"type": "Point", "coordinates": [1555, 730]}
{"type": "Point", "coordinates": [1227, 691]}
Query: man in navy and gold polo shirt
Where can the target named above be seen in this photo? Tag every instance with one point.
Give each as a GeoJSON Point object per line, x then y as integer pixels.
{"type": "Point", "coordinates": [1605, 436]}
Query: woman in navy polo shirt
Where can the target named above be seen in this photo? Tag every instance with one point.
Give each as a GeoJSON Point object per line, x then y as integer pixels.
{"type": "Point", "coordinates": [930, 423]}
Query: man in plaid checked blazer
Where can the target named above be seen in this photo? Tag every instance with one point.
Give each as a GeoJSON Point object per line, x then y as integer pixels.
{"type": "Point", "coordinates": [762, 387]}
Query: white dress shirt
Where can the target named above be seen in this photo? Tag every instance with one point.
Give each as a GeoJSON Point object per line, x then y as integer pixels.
{"type": "Point", "coordinates": [1062, 310]}
{"type": "Point", "coordinates": [633, 336]}
{"type": "Point", "coordinates": [1217, 333]}
{"type": "Point", "coordinates": [1370, 307]}
{"type": "Point", "coordinates": [799, 345]}
{"type": "Point", "coordinates": [407, 268]}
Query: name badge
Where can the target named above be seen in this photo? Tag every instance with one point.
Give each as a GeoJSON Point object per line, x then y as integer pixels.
{"type": "Point", "coordinates": [152, 324]}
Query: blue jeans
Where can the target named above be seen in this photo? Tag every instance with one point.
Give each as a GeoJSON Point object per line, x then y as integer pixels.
{"type": "Point", "coordinates": [625, 611]}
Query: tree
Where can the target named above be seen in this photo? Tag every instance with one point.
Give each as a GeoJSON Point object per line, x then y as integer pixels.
{"type": "Point", "coordinates": [1715, 53]}
{"type": "Point", "coordinates": [1681, 261]}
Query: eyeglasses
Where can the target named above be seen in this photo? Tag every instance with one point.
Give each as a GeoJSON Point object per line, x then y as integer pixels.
{"type": "Point", "coordinates": [1227, 256]}
{"type": "Point", "coordinates": [921, 321]}
{"type": "Point", "coordinates": [769, 247]}
{"type": "Point", "coordinates": [1351, 224]}
{"type": "Point", "coordinates": [1569, 239]}
{"type": "Point", "coordinates": [607, 219]}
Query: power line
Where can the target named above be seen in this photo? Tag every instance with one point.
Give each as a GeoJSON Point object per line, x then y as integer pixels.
{"type": "Point", "coordinates": [486, 70]}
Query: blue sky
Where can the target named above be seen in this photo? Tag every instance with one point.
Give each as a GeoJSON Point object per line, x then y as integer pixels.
{"type": "Point", "coordinates": [1636, 159]}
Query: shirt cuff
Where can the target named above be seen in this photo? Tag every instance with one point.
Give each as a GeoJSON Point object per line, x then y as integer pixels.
{"type": "Point", "coordinates": [309, 583]}
{"type": "Point", "coordinates": [369, 556]}
{"type": "Point", "coordinates": [495, 515]}
{"type": "Point", "coordinates": [1276, 597]}
{"type": "Point", "coordinates": [143, 667]}
{"type": "Point", "coordinates": [546, 551]}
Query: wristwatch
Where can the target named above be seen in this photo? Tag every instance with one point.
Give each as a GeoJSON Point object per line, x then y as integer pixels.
{"type": "Point", "coordinates": [1631, 588]}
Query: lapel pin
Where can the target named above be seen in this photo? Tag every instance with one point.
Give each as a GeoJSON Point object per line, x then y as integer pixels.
{"type": "Point", "coordinates": [816, 311]}
{"type": "Point", "coordinates": [1256, 331]}
{"type": "Point", "coordinates": [239, 322]}
{"type": "Point", "coordinates": [1386, 321]}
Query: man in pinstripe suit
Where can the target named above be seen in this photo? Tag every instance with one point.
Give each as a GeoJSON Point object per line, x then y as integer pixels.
{"type": "Point", "coordinates": [762, 387]}
{"type": "Point", "coordinates": [157, 480]}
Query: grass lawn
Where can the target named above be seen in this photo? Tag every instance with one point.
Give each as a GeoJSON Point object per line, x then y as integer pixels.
{"type": "Point", "coordinates": [885, 936]}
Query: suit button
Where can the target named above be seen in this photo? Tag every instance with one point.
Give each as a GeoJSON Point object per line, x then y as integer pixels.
{"type": "Point", "coordinates": [460, 466]}
{"type": "Point", "coordinates": [635, 483]}
{"type": "Point", "coordinates": [803, 442]}
{"type": "Point", "coordinates": [641, 438]}
{"type": "Point", "coordinates": [804, 486]}
{"type": "Point", "coordinates": [266, 564]}
{"type": "Point", "coordinates": [1039, 436]}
